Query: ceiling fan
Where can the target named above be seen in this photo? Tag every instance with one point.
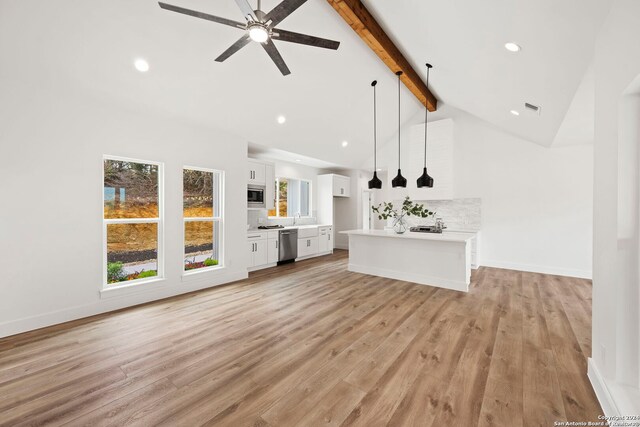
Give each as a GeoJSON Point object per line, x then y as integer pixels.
{"type": "Point", "coordinates": [261, 28]}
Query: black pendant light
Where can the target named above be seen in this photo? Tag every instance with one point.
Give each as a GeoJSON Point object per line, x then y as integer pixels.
{"type": "Point", "coordinates": [375, 182]}
{"type": "Point", "coordinates": [399, 181]}
{"type": "Point", "coordinates": [425, 180]}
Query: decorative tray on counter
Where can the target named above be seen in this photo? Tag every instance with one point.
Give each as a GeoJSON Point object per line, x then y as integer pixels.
{"type": "Point", "coordinates": [426, 229]}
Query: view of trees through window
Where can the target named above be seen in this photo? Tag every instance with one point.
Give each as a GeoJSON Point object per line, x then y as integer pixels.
{"type": "Point", "coordinates": [293, 197]}
{"type": "Point", "coordinates": [201, 211]}
{"type": "Point", "coordinates": [131, 219]}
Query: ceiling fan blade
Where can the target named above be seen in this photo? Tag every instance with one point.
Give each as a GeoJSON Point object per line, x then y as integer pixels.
{"type": "Point", "coordinates": [247, 10]}
{"type": "Point", "coordinates": [242, 42]}
{"type": "Point", "coordinates": [270, 48]}
{"type": "Point", "coordinates": [201, 15]}
{"type": "Point", "coordinates": [281, 11]}
{"type": "Point", "coordinates": [290, 36]}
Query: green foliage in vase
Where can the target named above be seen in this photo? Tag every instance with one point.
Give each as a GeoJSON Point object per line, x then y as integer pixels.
{"type": "Point", "coordinates": [386, 210]}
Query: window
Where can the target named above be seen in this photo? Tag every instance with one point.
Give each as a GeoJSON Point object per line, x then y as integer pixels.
{"type": "Point", "coordinates": [293, 198]}
{"type": "Point", "coordinates": [132, 220]}
{"type": "Point", "coordinates": [202, 212]}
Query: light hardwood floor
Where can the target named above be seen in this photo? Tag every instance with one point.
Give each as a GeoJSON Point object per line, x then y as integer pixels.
{"type": "Point", "coordinates": [311, 344]}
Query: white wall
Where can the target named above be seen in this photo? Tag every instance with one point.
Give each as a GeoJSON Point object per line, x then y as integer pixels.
{"type": "Point", "coordinates": [616, 328]}
{"type": "Point", "coordinates": [536, 201]}
{"type": "Point", "coordinates": [52, 143]}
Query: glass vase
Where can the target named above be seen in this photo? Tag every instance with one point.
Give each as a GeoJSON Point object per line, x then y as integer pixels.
{"type": "Point", "coordinates": [399, 225]}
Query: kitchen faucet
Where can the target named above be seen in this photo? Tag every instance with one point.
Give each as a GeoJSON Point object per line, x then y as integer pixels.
{"type": "Point", "coordinates": [296, 216]}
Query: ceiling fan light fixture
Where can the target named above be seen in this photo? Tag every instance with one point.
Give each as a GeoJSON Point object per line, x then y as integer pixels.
{"type": "Point", "coordinates": [258, 33]}
{"type": "Point", "coordinates": [260, 27]}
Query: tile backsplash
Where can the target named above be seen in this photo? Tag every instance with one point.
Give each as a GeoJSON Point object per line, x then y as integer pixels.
{"type": "Point", "coordinates": [257, 217]}
{"type": "Point", "coordinates": [457, 214]}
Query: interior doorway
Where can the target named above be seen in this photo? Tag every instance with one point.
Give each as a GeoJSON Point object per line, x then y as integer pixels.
{"type": "Point", "coordinates": [366, 210]}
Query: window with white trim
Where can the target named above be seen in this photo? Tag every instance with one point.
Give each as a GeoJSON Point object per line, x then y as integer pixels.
{"type": "Point", "coordinates": [132, 221]}
{"type": "Point", "coordinates": [202, 213]}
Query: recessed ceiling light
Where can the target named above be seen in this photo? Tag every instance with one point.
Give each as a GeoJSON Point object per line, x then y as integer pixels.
{"type": "Point", "coordinates": [379, 169]}
{"type": "Point", "coordinates": [141, 65]}
{"type": "Point", "coordinates": [512, 47]}
{"type": "Point", "coordinates": [282, 119]}
{"type": "Point", "coordinates": [515, 112]}
{"type": "Point", "coordinates": [345, 143]}
{"type": "Point", "coordinates": [298, 160]}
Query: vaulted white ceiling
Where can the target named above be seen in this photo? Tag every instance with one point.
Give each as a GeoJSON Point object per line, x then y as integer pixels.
{"type": "Point", "coordinates": [464, 40]}
{"type": "Point", "coordinates": [91, 45]}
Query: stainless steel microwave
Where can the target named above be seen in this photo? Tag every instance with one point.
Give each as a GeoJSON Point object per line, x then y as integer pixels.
{"type": "Point", "coordinates": [255, 196]}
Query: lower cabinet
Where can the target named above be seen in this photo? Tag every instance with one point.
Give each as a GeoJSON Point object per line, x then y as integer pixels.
{"type": "Point", "coordinates": [307, 247]}
{"type": "Point", "coordinates": [264, 247]}
{"type": "Point", "coordinates": [272, 250]}
{"type": "Point", "coordinates": [325, 240]}
{"type": "Point", "coordinates": [257, 252]}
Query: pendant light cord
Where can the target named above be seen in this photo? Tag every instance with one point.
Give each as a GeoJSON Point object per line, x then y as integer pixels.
{"type": "Point", "coordinates": [399, 73]}
{"type": "Point", "coordinates": [375, 142]}
{"type": "Point", "coordinates": [426, 116]}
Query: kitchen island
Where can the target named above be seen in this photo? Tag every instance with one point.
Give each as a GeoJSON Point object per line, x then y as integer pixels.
{"type": "Point", "coordinates": [442, 260]}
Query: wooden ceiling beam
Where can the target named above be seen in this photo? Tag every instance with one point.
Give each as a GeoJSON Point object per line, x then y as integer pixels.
{"type": "Point", "coordinates": [360, 19]}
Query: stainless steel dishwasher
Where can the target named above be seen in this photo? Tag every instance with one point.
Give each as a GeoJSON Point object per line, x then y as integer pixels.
{"type": "Point", "coordinates": [288, 248]}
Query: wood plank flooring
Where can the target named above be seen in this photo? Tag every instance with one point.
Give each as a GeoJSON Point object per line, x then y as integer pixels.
{"type": "Point", "coordinates": [311, 344]}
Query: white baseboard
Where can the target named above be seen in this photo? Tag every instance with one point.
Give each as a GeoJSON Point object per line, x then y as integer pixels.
{"type": "Point", "coordinates": [408, 277]}
{"type": "Point", "coordinates": [262, 267]}
{"type": "Point", "coordinates": [558, 271]}
{"type": "Point", "coordinates": [602, 391]}
{"type": "Point", "coordinates": [342, 246]}
{"type": "Point", "coordinates": [116, 303]}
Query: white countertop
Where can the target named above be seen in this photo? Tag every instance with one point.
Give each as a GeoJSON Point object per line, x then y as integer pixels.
{"type": "Point", "coordinates": [286, 227]}
{"type": "Point", "coordinates": [447, 236]}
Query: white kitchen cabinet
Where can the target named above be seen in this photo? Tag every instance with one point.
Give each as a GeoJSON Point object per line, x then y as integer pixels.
{"type": "Point", "coordinates": [270, 187]}
{"type": "Point", "coordinates": [341, 186]}
{"type": "Point", "coordinates": [256, 173]}
{"type": "Point", "coordinates": [334, 185]}
{"type": "Point", "coordinates": [257, 252]}
{"type": "Point", "coordinates": [307, 247]}
{"type": "Point", "coordinates": [325, 240]}
{"type": "Point", "coordinates": [272, 250]}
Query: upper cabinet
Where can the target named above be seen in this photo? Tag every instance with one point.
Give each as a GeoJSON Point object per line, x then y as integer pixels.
{"type": "Point", "coordinates": [341, 185]}
{"type": "Point", "coordinates": [263, 174]}
{"type": "Point", "coordinates": [257, 173]}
